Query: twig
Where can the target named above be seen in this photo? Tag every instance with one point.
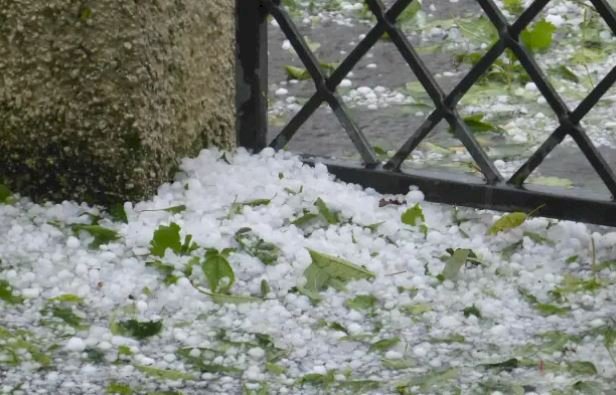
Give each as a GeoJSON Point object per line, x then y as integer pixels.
{"type": "Point", "coordinates": [396, 273]}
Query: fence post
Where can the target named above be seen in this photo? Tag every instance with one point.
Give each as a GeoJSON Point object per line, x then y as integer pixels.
{"type": "Point", "coordinates": [251, 74]}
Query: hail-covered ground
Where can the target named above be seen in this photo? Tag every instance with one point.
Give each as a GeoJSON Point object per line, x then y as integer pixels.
{"type": "Point", "coordinates": [256, 274]}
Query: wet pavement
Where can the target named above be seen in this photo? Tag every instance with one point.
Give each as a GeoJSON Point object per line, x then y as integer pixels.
{"type": "Point", "coordinates": [389, 127]}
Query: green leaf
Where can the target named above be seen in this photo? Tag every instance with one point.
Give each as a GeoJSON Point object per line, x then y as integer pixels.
{"type": "Point", "coordinates": [275, 368]}
{"type": "Point", "coordinates": [528, 296]}
{"type": "Point", "coordinates": [453, 338]}
{"type": "Point", "coordinates": [551, 182]}
{"type": "Point", "coordinates": [101, 235]}
{"type": "Point", "coordinates": [380, 152]}
{"type": "Point", "coordinates": [119, 388]}
{"type": "Point", "coordinates": [538, 238]}
{"type": "Point", "coordinates": [252, 244]}
{"type": "Point", "coordinates": [588, 388]}
{"type": "Point", "coordinates": [296, 73]}
{"type": "Point", "coordinates": [67, 315]}
{"type": "Point", "coordinates": [5, 195]}
{"type": "Point", "coordinates": [362, 302]}
{"type": "Point", "coordinates": [396, 364]}
{"type": "Point", "coordinates": [539, 37]}
{"type": "Point", "coordinates": [572, 284]}
{"type": "Point", "coordinates": [291, 5]}
{"type": "Point", "coordinates": [166, 270]}
{"type": "Point", "coordinates": [314, 296]}
{"type": "Point", "coordinates": [507, 222]}
{"type": "Point", "coordinates": [609, 337]}
{"type": "Point", "coordinates": [124, 350]}
{"type": "Point", "coordinates": [611, 265]}
{"type": "Point", "coordinates": [266, 342]}
{"type": "Point", "coordinates": [564, 72]}
{"type": "Point", "coordinates": [301, 74]}
{"type": "Point", "coordinates": [428, 146]}
{"type": "Point", "coordinates": [330, 216]}
{"type": "Point", "coordinates": [327, 270]}
{"type": "Point", "coordinates": [582, 368]}
{"type": "Point", "coordinates": [416, 309]}
{"type": "Point", "coordinates": [454, 264]}
{"type": "Point", "coordinates": [410, 12]}
{"type": "Point", "coordinates": [138, 329]}
{"type": "Point", "coordinates": [316, 279]}
{"type": "Point", "coordinates": [164, 374]}
{"type": "Point", "coordinates": [507, 365]}
{"type": "Point", "coordinates": [513, 6]}
{"type": "Point", "coordinates": [508, 251]}
{"type": "Point", "coordinates": [216, 267]}
{"type": "Point", "coordinates": [257, 202]}
{"type": "Point", "coordinates": [420, 97]}
{"type": "Point", "coordinates": [434, 378]}
{"type": "Point", "coordinates": [318, 379]}
{"type": "Point", "coordinates": [490, 387]}
{"type": "Point", "coordinates": [472, 259]}
{"type": "Point", "coordinates": [236, 207]}
{"type": "Point", "coordinates": [173, 210]}
{"type": "Point", "coordinates": [477, 125]}
{"type": "Point", "coordinates": [585, 56]}
{"type": "Point", "coordinates": [188, 246]}
{"type": "Point", "coordinates": [359, 386]}
{"type": "Point", "coordinates": [412, 291]}
{"type": "Point", "coordinates": [262, 390]}
{"type": "Point", "coordinates": [117, 213]}
{"type": "Point", "coordinates": [551, 309]}
{"type": "Point", "coordinates": [412, 215]}
{"type": "Point", "coordinates": [233, 299]}
{"type": "Point", "coordinates": [478, 30]}
{"type": "Point", "coordinates": [166, 237]}
{"type": "Point", "coordinates": [338, 327]}
{"type": "Point", "coordinates": [423, 228]}
{"type": "Point", "coordinates": [95, 356]}
{"type": "Point", "coordinates": [6, 293]}
{"type": "Point", "coordinates": [544, 308]}
{"type": "Point", "coordinates": [384, 344]}
{"type": "Point", "coordinates": [555, 341]}
{"type": "Point", "coordinates": [66, 298]}
{"type": "Point", "coordinates": [572, 259]}
{"type": "Point", "coordinates": [471, 58]}
{"type": "Point", "coordinates": [203, 366]}
{"type": "Point", "coordinates": [265, 288]}
{"type": "Point", "coordinates": [16, 344]}
{"type": "Point", "coordinates": [472, 310]}
{"type": "Point", "coordinates": [373, 227]}
{"type": "Point", "coordinates": [305, 219]}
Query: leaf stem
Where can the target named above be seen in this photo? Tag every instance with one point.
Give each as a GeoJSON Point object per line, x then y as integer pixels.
{"type": "Point", "coordinates": [533, 211]}
{"type": "Point", "coordinates": [593, 251]}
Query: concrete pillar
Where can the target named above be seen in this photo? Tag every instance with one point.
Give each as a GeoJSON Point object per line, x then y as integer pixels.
{"type": "Point", "coordinates": [99, 99]}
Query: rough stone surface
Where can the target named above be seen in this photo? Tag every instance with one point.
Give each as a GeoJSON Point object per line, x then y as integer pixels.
{"type": "Point", "coordinates": [100, 98]}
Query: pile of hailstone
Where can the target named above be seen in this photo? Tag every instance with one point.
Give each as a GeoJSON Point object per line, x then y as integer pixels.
{"type": "Point", "coordinates": [256, 274]}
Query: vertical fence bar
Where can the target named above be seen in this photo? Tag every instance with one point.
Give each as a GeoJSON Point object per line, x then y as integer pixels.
{"type": "Point", "coordinates": [251, 74]}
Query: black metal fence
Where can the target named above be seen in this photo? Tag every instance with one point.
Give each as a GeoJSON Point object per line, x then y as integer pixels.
{"type": "Point", "coordinates": [495, 192]}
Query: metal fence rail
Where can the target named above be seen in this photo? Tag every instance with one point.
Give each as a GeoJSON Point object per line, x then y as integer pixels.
{"type": "Point", "coordinates": [496, 192]}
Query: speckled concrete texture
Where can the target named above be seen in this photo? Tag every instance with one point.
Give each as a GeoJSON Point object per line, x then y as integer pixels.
{"type": "Point", "coordinates": [100, 99]}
